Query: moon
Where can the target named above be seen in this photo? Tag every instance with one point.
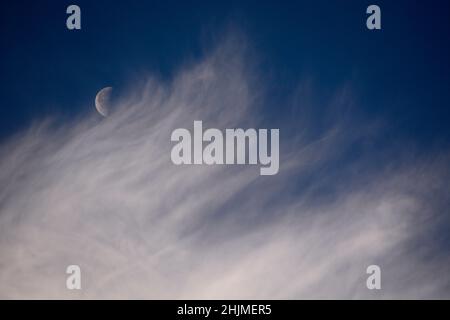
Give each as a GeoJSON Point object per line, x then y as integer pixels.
{"type": "Point", "coordinates": [102, 101]}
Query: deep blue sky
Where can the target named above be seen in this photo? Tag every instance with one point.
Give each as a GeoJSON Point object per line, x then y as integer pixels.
{"type": "Point", "coordinates": [401, 73]}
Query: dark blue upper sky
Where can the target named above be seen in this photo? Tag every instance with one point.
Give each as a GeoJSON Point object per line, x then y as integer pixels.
{"type": "Point", "coordinates": [401, 73]}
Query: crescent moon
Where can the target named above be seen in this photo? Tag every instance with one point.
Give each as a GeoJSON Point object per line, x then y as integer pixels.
{"type": "Point", "coordinates": [102, 101]}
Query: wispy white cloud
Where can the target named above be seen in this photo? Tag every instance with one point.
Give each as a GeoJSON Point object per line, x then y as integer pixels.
{"type": "Point", "coordinates": [104, 194]}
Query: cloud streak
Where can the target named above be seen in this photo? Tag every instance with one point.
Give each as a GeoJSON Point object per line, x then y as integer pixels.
{"type": "Point", "coordinates": [104, 194]}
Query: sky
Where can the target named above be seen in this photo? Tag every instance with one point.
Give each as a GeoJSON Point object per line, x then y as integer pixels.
{"type": "Point", "coordinates": [401, 73]}
{"type": "Point", "coordinates": [364, 149]}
